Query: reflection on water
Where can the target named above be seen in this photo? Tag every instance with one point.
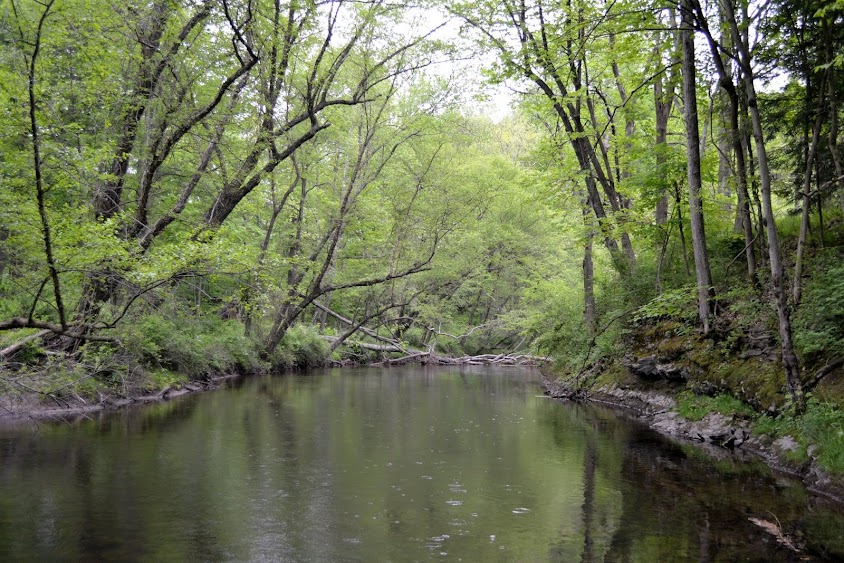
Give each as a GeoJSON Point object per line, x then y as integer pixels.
{"type": "Point", "coordinates": [387, 464]}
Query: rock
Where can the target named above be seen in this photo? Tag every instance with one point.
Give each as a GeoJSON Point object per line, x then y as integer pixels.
{"type": "Point", "coordinates": [714, 428]}
{"type": "Point", "coordinates": [650, 368]}
{"type": "Point", "coordinates": [787, 444]}
{"type": "Point", "coordinates": [668, 423]}
{"type": "Point", "coordinates": [752, 353]}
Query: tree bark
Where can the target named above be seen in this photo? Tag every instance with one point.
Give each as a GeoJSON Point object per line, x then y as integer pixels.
{"type": "Point", "coordinates": [833, 110]}
{"type": "Point", "coordinates": [107, 199]}
{"type": "Point", "coordinates": [590, 311]}
{"type": "Point", "coordinates": [701, 256]}
{"type": "Point", "coordinates": [663, 103]}
{"type": "Point", "coordinates": [735, 136]}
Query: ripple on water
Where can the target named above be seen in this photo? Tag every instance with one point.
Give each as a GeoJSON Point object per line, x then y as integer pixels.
{"type": "Point", "coordinates": [454, 502]}
{"type": "Point", "coordinates": [436, 542]}
{"type": "Point", "coordinates": [352, 541]}
{"type": "Point", "coordinates": [456, 488]}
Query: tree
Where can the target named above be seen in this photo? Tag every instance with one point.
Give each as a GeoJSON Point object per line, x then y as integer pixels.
{"type": "Point", "coordinates": [702, 271]}
{"type": "Point", "coordinates": [547, 45]}
{"type": "Point", "coordinates": [738, 28]}
{"type": "Point", "coordinates": [168, 144]}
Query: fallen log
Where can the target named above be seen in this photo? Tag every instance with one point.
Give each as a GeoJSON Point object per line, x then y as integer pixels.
{"type": "Point", "coordinates": [367, 345]}
{"type": "Point", "coordinates": [412, 358]}
{"type": "Point", "coordinates": [359, 327]}
{"type": "Point", "coordinates": [479, 360]}
{"type": "Point", "coordinates": [429, 357]}
{"type": "Point", "coordinates": [14, 348]}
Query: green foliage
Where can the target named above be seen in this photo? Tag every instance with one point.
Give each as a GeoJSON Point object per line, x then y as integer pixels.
{"type": "Point", "coordinates": [819, 322]}
{"type": "Point", "coordinates": [163, 378]}
{"type": "Point", "coordinates": [449, 346]}
{"type": "Point", "coordinates": [558, 326]}
{"type": "Point", "coordinates": [193, 346]}
{"type": "Point", "coordinates": [301, 348]}
{"type": "Point", "coordinates": [415, 337]}
{"type": "Point", "coordinates": [821, 428]}
{"type": "Point", "coordinates": [677, 304]}
{"type": "Point", "coordinates": [695, 407]}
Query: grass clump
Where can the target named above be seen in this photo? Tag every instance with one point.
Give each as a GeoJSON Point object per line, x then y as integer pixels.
{"type": "Point", "coordinates": [820, 433]}
{"type": "Point", "coordinates": [695, 407]}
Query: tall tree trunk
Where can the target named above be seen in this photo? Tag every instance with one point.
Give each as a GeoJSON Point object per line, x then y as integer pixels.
{"type": "Point", "coordinates": [702, 271]}
{"type": "Point", "coordinates": [734, 135]}
{"type": "Point", "coordinates": [746, 137]}
{"type": "Point", "coordinates": [678, 201]}
{"type": "Point", "coordinates": [107, 199]}
{"type": "Point", "coordinates": [662, 103]}
{"type": "Point", "coordinates": [797, 284]}
{"type": "Point", "coordinates": [590, 312]}
{"type": "Point", "coordinates": [40, 189]}
{"type": "Point", "coordinates": [789, 358]}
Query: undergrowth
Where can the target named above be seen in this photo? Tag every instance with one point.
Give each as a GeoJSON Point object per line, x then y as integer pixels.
{"type": "Point", "coordinates": [195, 347]}
{"type": "Point", "coordinates": [695, 407]}
{"type": "Point", "coordinates": [820, 433]}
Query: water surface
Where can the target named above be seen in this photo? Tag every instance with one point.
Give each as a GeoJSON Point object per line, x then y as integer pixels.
{"type": "Point", "coordinates": [397, 464]}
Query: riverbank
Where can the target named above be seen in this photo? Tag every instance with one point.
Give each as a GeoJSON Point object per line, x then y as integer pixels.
{"type": "Point", "coordinates": [685, 398]}
{"type": "Point", "coordinates": [69, 402]}
{"type": "Point", "coordinates": [32, 408]}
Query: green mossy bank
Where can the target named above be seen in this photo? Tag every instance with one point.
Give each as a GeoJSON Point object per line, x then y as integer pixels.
{"type": "Point", "coordinates": [726, 389]}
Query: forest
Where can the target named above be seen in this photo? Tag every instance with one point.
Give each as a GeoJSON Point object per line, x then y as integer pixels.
{"type": "Point", "coordinates": [198, 187]}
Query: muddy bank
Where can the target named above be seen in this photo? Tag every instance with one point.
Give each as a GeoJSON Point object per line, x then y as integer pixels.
{"type": "Point", "coordinates": [717, 434]}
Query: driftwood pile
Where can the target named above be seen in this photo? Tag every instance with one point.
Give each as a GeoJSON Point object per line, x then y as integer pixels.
{"type": "Point", "coordinates": [388, 345]}
{"type": "Point", "coordinates": [480, 360]}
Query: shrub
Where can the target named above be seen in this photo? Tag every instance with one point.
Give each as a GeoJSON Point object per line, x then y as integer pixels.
{"type": "Point", "coordinates": [449, 346]}
{"type": "Point", "coordinates": [822, 426]}
{"type": "Point", "coordinates": [415, 337]}
{"type": "Point", "coordinates": [195, 347]}
{"type": "Point", "coordinates": [819, 322]}
{"type": "Point", "coordinates": [302, 347]}
{"type": "Point", "coordinates": [677, 304]}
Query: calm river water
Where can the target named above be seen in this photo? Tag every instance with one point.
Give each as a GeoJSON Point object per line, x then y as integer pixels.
{"type": "Point", "coordinates": [397, 464]}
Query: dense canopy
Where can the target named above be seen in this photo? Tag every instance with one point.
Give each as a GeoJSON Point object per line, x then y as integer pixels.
{"type": "Point", "coordinates": [200, 186]}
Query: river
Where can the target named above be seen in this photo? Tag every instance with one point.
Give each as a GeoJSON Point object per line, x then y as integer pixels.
{"type": "Point", "coordinates": [398, 464]}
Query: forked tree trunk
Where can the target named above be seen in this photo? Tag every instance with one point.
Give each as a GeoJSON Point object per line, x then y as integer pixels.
{"type": "Point", "coordinates": [789, 358]}
{"type": "Point", "coordinates": [734, 135]}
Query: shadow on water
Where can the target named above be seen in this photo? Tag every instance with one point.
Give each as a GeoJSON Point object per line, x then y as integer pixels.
{"type": "Point", "coordinates": [389, 464]}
